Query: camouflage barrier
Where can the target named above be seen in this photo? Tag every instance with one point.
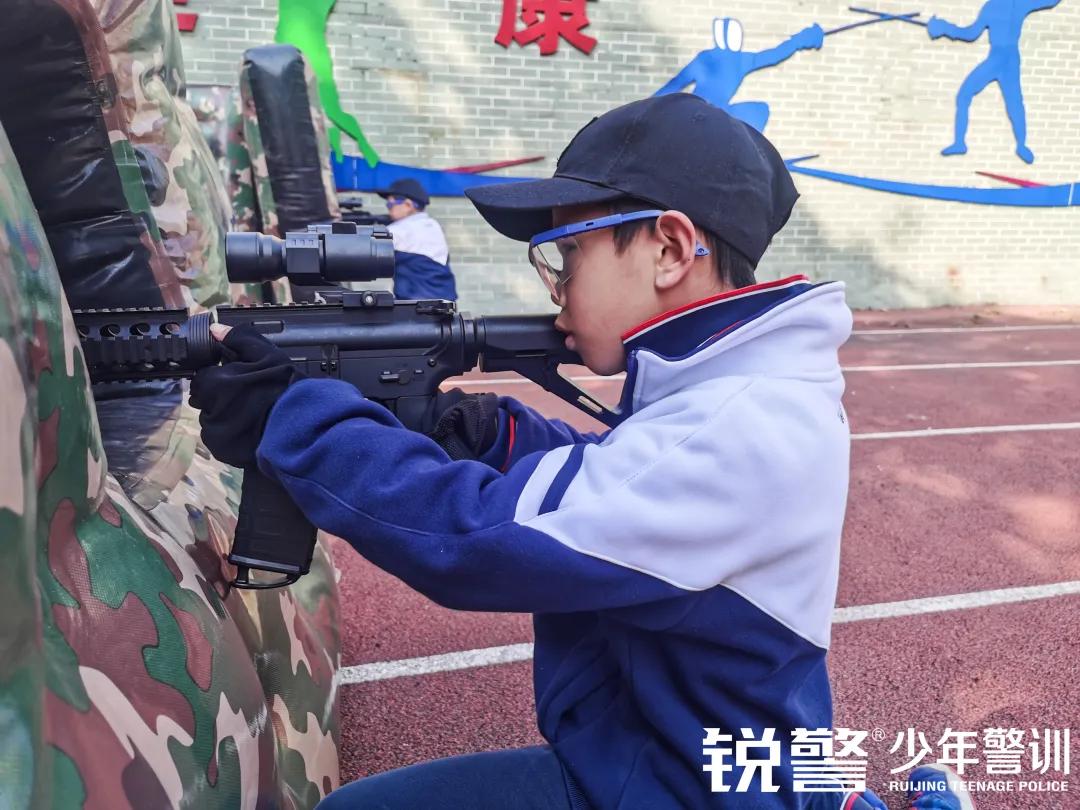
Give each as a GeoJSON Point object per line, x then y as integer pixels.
{"type": "Point", "coordinates": [248, 182]}
{"type": "Point", "coordinates": [186, 190]}
{"type": "Point", "coordinates": [298, 171]}
{"type": "Point", "coordinates": [322, 139]}
{"type": "Point", "coordinates": [284, 133]}
{"type": "Point", "coordinates": [58, 105]}
{"type": "Point", "coordinates": [28, 766]}
{"type": "Point", "coordinates": [211, 104]}
{"type": "Point", "coordinates": [132, 675]}
{"type": "Point", "coordinates": [250, 162]}
{"type": "Point", "coordinates": [240, 179]}
{"type": "Point", "coordinates": [217, 109]}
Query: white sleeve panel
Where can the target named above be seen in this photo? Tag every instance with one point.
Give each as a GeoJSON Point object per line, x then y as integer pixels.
{"type": "Point", "coordinates": [741, 483]}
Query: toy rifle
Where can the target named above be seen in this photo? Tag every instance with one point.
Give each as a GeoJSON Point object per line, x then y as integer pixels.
{"type": "Point", "coordinates": [395, 352]}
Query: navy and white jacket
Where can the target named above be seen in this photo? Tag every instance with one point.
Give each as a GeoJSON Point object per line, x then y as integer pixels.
{"type": "Point", "coordinates": [421, 259]}
{"type": "Point", "coordinates": [682, 567]}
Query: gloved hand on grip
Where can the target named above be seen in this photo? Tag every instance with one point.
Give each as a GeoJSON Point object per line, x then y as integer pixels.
{"type": "Point", "coordinates": [464, 425]}
{"type": "Point", "coordinates": [236, 397]}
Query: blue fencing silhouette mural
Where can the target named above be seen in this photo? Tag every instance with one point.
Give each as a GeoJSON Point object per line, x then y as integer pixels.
{"type": "Point", "coordinates": [1003, 19]}
{"type": "Point", "coordinates": [717, 72]}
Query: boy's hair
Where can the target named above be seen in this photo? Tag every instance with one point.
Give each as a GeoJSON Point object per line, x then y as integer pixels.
{"type": "Point", "coordinates": [732, 268]}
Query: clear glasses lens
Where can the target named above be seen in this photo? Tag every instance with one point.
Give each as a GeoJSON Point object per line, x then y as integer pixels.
{"type": "Point", "coordinates": [555, 261]}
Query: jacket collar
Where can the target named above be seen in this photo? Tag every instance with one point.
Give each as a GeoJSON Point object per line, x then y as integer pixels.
{"type": "Point", "coordinates": [680, 332]}
{"type": "Point", "coordinates": [788, 327]}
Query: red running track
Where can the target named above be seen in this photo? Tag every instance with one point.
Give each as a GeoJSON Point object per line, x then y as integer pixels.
{"type": "Point", "coordinates": [928, 517]}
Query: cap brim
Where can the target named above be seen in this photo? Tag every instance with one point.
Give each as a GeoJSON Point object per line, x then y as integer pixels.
{"type": "Point", "coordinates": [522, 210]}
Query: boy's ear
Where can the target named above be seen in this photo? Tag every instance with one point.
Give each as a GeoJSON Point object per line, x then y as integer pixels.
{"type": "Point", "coordinates": [676, 237]}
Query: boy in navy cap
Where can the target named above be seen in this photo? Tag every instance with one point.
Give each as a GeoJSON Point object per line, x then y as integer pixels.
{"type": "Point", "coordinates": [682, 567]}
{"type": "Point", "coordinates": [421, 255]}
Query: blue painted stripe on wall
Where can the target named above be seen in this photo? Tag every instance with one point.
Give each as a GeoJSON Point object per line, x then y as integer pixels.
{"type": "Point", "coordinates": [1059, 196]}
{"type": "Point", "coordinates": [353, 174]}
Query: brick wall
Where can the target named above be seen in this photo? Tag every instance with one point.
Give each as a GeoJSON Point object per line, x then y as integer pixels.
{"type": "Point", "coordinates": [431, 88]}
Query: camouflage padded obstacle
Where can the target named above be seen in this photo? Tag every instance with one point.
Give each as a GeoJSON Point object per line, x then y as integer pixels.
{"type": "Point", "coordinates": [29, 765]}
{"type": "Point", "coordinates": [284, 130]}
{"type": "Point", "coordinates": [186, 190]}
{"type": "Point", "coordinates": [211, 104]}
{"type": "Point", "coordinates": [277, 153]}
{"type": "Point", "coordinates": [59, 106]}
{"type": "Point", "coordinates": [253, 206]}
{"type": "Point", "coordinates": [132, 675]}
{"type": "Point", "coordinates": [217, 109]}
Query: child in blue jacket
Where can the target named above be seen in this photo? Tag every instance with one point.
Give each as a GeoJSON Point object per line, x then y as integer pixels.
{"type": "Point", "coordinates": [682, 567]}
{"type": "Point", "coordinates": [421, 255]}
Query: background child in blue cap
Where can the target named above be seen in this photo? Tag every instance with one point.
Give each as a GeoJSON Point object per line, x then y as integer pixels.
{"type": "Point", "coordinates": [421, 255]}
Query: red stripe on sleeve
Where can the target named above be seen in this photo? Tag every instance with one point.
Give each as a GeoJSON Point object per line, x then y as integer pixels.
{"type": "Point", "coordinates": [509, 445]}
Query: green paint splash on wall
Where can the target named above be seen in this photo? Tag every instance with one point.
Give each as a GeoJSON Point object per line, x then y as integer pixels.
{"type": "Point", "coordinates": [303, 23]}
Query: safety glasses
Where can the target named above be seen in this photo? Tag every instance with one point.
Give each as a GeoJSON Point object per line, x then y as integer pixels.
{"type": "Point", "coordinates": [392, 201]}
{"type": "Point", "coordinates": [557, 253]}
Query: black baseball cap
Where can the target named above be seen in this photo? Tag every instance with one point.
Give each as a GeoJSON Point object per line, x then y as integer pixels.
{"type": "Point", "coordinates": [406, 187]}
{"type": "Point", "coordinates": [675, 151]}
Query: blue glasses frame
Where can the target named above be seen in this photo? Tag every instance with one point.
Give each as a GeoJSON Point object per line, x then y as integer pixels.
{"type": "Point", "coordinates": [555, 280]}
{"type": "Point", "coordinates": [610, 221]}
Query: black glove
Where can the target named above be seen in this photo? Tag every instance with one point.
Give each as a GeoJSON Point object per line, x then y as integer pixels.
{"type": "Point", "coordinates": [466, 425]}
{"type": "Point", "coordinates": [236, 397]}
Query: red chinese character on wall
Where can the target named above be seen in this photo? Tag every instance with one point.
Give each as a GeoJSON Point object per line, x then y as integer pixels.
{"type": "Point", "coordinates": [185, 22]}
{"type": "Point", "coordinates": [547, 21]}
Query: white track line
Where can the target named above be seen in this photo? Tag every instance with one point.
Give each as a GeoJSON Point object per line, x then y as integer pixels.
{"type": "Point", "coordinates": [965, 431]}
{"type": "Point", "coordinates": [488, 381]}
{"type": "Point", "coordinates": [948, 330]}
{"type": "Point", "coordinates": [960, 601]}
{"type": "Point", "coordinates": [470, 659]}
{"type": "Point", "coordinates": [955, 366]}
